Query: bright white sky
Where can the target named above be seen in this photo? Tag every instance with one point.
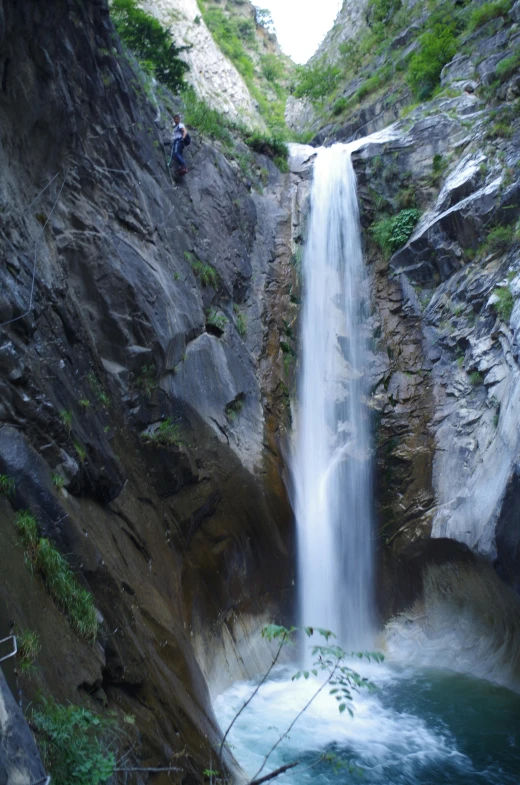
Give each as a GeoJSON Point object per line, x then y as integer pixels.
{"type": "Point", "coordinates": [301, 24]}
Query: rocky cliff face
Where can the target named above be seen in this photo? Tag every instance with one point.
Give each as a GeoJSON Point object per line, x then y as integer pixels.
{"type": "Point", "coordinates": [446, 312]}
{"type": "Point", "coordinates": [143, 395]}
{"type": "Point", "coordinates": [214, 77]}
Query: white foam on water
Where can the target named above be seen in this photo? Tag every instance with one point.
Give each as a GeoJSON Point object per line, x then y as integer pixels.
{"type": "Point", "coordinates": [378, 738]}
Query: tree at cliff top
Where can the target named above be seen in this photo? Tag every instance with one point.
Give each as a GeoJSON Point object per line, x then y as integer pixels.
{"type": "Point", "coordinates": [246, 35]}
{"type": "Point", "coordinates": [150, 43]}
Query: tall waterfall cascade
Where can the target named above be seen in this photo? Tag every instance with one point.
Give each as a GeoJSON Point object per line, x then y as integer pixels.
{"type": "Point", "coordinates": [332, 467]}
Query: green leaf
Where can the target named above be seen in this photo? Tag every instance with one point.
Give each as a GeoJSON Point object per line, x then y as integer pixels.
{"type": "Point", "coordinates": [342, 707]}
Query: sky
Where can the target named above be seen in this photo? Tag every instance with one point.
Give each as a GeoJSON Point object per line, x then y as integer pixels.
{"type": "Point", "coordinates": [301, 24]}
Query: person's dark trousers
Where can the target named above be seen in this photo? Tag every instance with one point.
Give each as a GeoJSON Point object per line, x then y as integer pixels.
{"type": "Point", "coordinates": [178, 147]}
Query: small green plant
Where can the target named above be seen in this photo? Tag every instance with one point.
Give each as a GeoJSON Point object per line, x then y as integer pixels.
{"type": "Point", "coordinates": [504, 303]}
{"type": "Point", "coordinates": [240, 321]}
{"type": "Point", "coordinates": [167, 434]}
{"type": "Point", "coordinates": [498, 240]}
{"type": "Point", "coordinates": [147, 379]}
{"type": "Point", "coordinates": [81, 451]}
{"type": "Point", "coordinates": [7, 485]}
{"type": "Point", "coordinates": [66, 418]}
{"type": "Point", "coordinates": [28, 643]}
{"type": "Point", "coordinates": [84, 403]}
{"type": "Point", "coordinates": [58, 480]}
{"type": "Point", "coordinates": [488, 11]}
{"type": "Point", "coordinates": [500, 130]}
{"type": "Point", "coordinates": [234, 408]}
{"type": "Point", "coordinates": [508, 66]}
{"type": "Point", "coordinates": [74, 743]}
{"type": "Point", "coordinates": [98, 391]}
{"type": "Point", "coordinates": [41, 556]}
{"type": "Point", "coordinates": [216, 319]}
{"type": "Point", "coordinates": [206, 274]}
{"type": "Point", "coordinates": [392, 233]}
{"type": "Point", "coordinates": [476, 378]}
{"type": "Point", "coordinates": [339, 106]}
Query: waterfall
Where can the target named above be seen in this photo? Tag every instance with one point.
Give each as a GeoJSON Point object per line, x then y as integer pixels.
{"type": "Point", "coordinates": [332, 468]}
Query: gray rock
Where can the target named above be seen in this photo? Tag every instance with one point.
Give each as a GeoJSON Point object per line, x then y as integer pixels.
{"type": "Point", "coordinates": [20, 762]}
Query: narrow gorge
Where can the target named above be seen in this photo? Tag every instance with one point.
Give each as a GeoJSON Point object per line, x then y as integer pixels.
{"type": "Point", "coordinates": [281, 390]}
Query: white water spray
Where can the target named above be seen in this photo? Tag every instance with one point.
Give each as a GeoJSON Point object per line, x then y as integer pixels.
{"type": "Point", "coordinates": [332, 471]}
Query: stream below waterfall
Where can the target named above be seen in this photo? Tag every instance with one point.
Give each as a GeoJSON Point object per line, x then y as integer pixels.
{"type": "Point", "coordinates": [418, 727]}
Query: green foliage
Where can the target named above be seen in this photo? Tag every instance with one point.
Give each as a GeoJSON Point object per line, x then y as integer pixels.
{"type": "Point", "coordinates": [392, 233]}
{"type": "Point", "coordinates": [272, 68]}
{"type": "Point", "coordinates": [487, 12]}
{"type": "Point", "coordinates": [80, 451]}
{"type": "Point", "coordinates": [505, 302]}
{"type": "Point", "coordinates": [7, 485]}
{"type": "Point", "coordinates": [73, 743]}
{"type": "Point", "coordinates": [167, 434]}
{"type": "Point", "coordinates": [28, 530]}
{"type": "Point", "coordinates": [476, 378]}
{"type": "Point", "coordinates": [438, 45]}
{"type": "Point", "coordinates": [66, 418]}
{"type": "Point", "coordinates": [315, 81]}
{"type": "Point", "coordinates": [234, 408]}
{"type": "Point", "coordinates": [508, 66]}
{"type": "Point", "coordinates": [339, 106]}
{"type": "Point", "coordinates": [84, 403]}
{"type": "Point", "coordinates": [382, 10]}
{"type": "Point", "coordinates": [98, 391]}
{"type": "Point", "coordinates": [236, 37]}
{"type": "Point", "coordinates": [150, 42]}
{"type": "Point", "coordinates": [268, 145]}
{"type": "Point", "coordinates": [439, 165]}
{"type": "Point", "coordinates": [500, 130]}
{"type": "Point", "coordinates": [240, 321]}
{"type": "Point", "coordinates": [498, 240]}
{"type": "Point", "coordinates": [28, 643]}
{"type": "Point", "coordinates": [206, 274]}
{"type": "Point", "coordinates": [205, 119]}
{"type": "Point", "coordinates": [41, 555]}
{"type": "Point", "coordinates": [147, 379]}
{"type": "Point", "coordinates": [57, 480]}
{"type": "Point", "coordinates": [216, 319]}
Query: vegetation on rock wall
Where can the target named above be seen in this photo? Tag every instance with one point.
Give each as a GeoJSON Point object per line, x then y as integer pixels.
{"type": "Point", "coordinates": [150, 43]}
{"type": "Point", "coordinates": [401, 53]}
{"type": "Point", "coordinates": [245, 36]}
{"type": "Point", "coordinates": [42, 556]}
{"type": "Point", "coordinates": [73, 743]}
{"type": "Point", "coordinates": [393, 232]}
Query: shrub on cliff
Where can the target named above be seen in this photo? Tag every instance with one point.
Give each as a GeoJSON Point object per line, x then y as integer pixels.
{"type": "Point", "coordinates": [392, 233]}
{"type": "Point", "coordinates": [150, 42]}
{"type": "Point", "coordinates": [73, 743]}
{"type": "Point", "coordinates": [487, 12]}
{"type": "Point", "coordinates": [315, 81]}
{"type": "Point", "coordinates": [438, 45]}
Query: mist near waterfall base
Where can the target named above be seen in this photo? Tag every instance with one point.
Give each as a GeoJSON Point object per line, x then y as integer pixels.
{"type": "Point", "coordinates": [301, 25]}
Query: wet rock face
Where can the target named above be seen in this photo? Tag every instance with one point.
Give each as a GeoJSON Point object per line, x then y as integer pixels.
{"type": "Point", "coordinates": [143, 397]}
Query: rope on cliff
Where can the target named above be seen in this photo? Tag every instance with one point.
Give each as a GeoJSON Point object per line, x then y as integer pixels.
{"type": "Point", "coordinates": [31, 297]}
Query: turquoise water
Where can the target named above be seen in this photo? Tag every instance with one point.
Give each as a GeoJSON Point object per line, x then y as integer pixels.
{"type": "Point", "coordinates": [420, 726]}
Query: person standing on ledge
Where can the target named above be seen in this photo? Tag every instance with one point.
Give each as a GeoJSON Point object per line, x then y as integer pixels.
{"type": "Point", "coordinates": [179, 134]}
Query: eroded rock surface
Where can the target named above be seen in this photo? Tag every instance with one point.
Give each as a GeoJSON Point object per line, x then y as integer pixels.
{"type": "Point", "coordinates": [143, 396]}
